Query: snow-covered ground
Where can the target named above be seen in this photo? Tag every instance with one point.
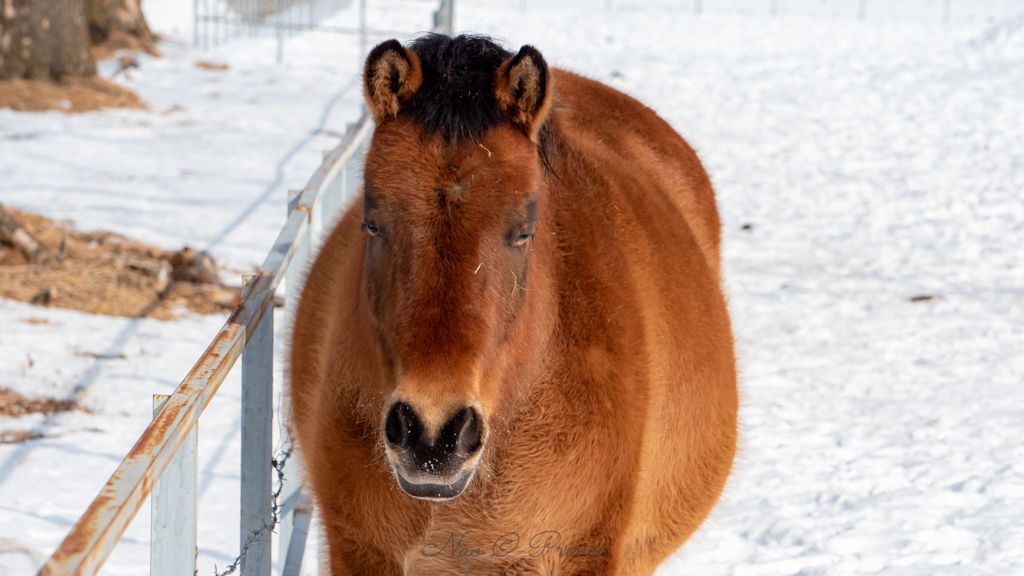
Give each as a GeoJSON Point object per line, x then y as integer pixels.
{"type": "Point", "coordinates": [858, 164]}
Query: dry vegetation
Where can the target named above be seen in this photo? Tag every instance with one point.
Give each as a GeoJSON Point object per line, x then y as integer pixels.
{"type": "Point", "coordinates": [71, 95]}
{"type": "Point", "coordinates": [13, 404]}
{"type": "Point", "coordinates": [118, 40]}
{"type": "Point", "coordinates": [104, 273]}
{"type": "Point", "coordinates": [74, 94]}
{"type": "Point", "coordinates": [212, 66]}
{"type": "Point", "coordinates": [49, 264]}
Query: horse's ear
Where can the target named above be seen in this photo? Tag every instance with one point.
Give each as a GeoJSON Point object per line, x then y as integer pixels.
{"type": "Point", "coordinates": [392, 76]}
{"type": "Point", "coordinates": [522, 87]}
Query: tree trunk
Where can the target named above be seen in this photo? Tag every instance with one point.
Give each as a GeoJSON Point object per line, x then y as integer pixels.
{"type": "Point", "coordinates": [44, 39]}
{"type": "Point", "coordinates": [117, 24]}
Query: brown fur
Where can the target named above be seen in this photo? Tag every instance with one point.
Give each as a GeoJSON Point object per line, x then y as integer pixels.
{"type": "Point", "coordinates": [599, 352]}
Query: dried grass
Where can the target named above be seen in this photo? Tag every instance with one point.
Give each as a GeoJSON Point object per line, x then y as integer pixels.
{"type": "Point", "coordinates": [119, 40]}
{"type": "Point", "coordinates": [14, 404]}
{"type": "Point", "coordinates": [71, 95]}
{"type": "Point", "coordinates": [105, 273]}
{"type": "Point", "coordinates": [204, 65]}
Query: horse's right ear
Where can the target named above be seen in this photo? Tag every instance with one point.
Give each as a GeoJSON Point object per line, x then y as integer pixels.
{"type": "Point", "coordinates": [392, 76]}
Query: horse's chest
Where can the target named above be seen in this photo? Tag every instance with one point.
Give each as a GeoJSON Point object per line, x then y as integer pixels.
{"type": "Point", "coordinates": [472, 552]}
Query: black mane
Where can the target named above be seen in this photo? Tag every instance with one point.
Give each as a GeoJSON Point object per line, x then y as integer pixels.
{"type": "Point", "coordinates": [456, 100]}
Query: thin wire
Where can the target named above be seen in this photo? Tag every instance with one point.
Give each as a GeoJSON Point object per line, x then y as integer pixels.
{"type": "Point", "coordinates": [278, 465]}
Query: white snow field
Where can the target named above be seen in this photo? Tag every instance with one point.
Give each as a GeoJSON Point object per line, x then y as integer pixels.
{"type": "Point", "coordinates": [858, 163]}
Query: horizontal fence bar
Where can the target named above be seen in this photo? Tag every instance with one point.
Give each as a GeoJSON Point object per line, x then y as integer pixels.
{"type": "Point", "coordinates": [335, 162]}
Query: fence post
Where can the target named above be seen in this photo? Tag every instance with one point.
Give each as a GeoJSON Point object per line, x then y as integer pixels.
{"type": "Point", "coordinates": [287, 502]}
{"type": "Point", "coordinates": [863, 9]}
{"type": "Point", "coordinates": [296, 545]}
{"type": "Point", "coordinates": [279, 20]}
{"type": "Point", "coordinates": [172, 546]}
{"type": "Point", "coordinates": [291, 483]}
{"type": "Point", "coordinates": [206, 25]}
{"type": "Point", "coordinates": [362, 30]}
{"type": "Point", "coordinates": [257, 418]}
{"type": "Point", "coordinates": [696, 6]}
{"type": "Point", "coordinates": [947, 7]}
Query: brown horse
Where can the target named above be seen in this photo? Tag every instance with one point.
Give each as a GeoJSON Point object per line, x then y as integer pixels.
{"type": "Point", "coordinates": [514, 356]}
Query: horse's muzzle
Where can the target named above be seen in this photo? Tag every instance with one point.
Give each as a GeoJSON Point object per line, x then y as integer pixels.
{"type": "Point", "coordinates": [433, 464]}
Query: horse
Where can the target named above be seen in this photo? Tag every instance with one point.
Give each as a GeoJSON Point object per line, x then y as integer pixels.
{"type": "Point", "coordinates": [514, 355]}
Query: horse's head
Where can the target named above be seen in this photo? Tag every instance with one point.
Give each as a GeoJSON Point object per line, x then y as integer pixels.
{"type": "Point", "coordinates": [453, 186]}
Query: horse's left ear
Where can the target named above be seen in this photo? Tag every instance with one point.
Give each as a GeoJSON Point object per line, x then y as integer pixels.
{"type": "Point", "coordinates": [522, 87]}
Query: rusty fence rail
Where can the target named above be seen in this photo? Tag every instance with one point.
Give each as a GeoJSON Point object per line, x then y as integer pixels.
{"type": "Point", "coordinates": [163, 461]}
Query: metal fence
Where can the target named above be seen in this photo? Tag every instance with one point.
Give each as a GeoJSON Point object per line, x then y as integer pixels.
{"type": "Point", "coordinates": [944, 10]}
{"type": "Point", "coordinates": [217, 21]}
{"type": "Point", "coordinates": [947, 11]}
{"type": "Point", "coordinates": [162, 464]}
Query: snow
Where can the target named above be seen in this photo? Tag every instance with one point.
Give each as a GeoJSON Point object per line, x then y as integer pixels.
{"type": "Point", "coordinates": [874, 161]}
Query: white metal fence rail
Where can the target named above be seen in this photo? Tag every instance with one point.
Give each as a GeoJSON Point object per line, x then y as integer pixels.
{"type": "Point", "coordinates": [163, 460]}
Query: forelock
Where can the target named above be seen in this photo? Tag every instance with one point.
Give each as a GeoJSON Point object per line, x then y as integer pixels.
{"type": "Point", "coordinates": [456, 100]}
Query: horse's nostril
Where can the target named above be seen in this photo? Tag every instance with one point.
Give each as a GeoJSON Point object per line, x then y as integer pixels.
{"type": "Point", "coordinates": [401, 425]}
{"type": "Point", "coordinates": [464, 432]}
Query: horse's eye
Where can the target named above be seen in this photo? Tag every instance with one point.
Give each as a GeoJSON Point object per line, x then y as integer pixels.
{"type": "Point", "coordinates": [372, 229]}
{"type": "Point", "coordinates": [522, 239]}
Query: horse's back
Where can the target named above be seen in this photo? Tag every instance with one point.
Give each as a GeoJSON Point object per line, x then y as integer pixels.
{"type": "Point", "coordinates": [633, 140]}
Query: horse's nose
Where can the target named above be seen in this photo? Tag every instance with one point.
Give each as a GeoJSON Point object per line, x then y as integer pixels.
{"type": "Point", "coordinates": [459, 438]}
{"type": "Point", "coordinates": [402, 425]}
